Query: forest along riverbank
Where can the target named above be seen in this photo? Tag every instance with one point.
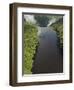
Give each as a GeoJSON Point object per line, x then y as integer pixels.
{"type": "Point", "coordinates": [48, 58]}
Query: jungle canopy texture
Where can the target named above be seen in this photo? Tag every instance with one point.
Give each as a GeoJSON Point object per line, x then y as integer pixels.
{"type": "Point", "coordinates": [30, 43]}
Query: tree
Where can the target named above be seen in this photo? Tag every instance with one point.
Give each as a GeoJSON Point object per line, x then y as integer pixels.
{"type": "Point", "coordinates": [30, 43]}
{"type": "Point", "coordinates": [42, 20]}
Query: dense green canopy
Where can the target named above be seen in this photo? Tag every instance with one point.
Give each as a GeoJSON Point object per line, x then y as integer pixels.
{"type": "Point", "coordinates": [30, 43]}
{"type": "Point", "coordinates": [42, 20]}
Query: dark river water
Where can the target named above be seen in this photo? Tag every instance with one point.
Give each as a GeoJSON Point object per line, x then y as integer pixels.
{"type": "Point", "coordinates": [48, 58]}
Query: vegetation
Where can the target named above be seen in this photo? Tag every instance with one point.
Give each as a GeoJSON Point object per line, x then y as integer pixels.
{"type": "Point", "coordinates": [58, 27]}
{"type": "Point", "coordinates": [54, 17]}
{"type": "Point", "coordinates": [31, 38]}
{"type": "Point", "coordinates": [30, 43]}
{"type": "Point", "coordinates": [42, 20]}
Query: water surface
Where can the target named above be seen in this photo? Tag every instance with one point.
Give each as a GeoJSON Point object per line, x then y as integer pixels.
{"type": "Point", "coordinates": [48, 58]}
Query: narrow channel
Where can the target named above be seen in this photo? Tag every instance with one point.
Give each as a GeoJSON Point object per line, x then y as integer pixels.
{"type": "Point", "coordinates": [48, 58]}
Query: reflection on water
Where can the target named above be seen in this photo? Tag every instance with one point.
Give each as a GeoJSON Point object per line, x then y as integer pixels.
{"type": "Point", "coordinates": [48, 58]}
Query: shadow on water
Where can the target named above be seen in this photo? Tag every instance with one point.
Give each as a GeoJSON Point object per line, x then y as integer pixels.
{"type": "Point", "coordinates": [49, 56]}
{"type": "Point", "coordinates": [59, 46]}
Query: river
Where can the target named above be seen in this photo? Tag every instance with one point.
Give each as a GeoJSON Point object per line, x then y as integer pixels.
{"type": "Point", "coordinates": [48, 57]}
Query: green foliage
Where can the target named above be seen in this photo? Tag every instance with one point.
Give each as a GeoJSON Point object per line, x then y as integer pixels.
{"type": "Point", "coordinates": [58, 27]}
{"type": "Point", "coordinates": [42, 20]}
{"type": "Point", "coordinates": [54, 17]}
{"type": "Point", "coordinates": [30, 43]}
